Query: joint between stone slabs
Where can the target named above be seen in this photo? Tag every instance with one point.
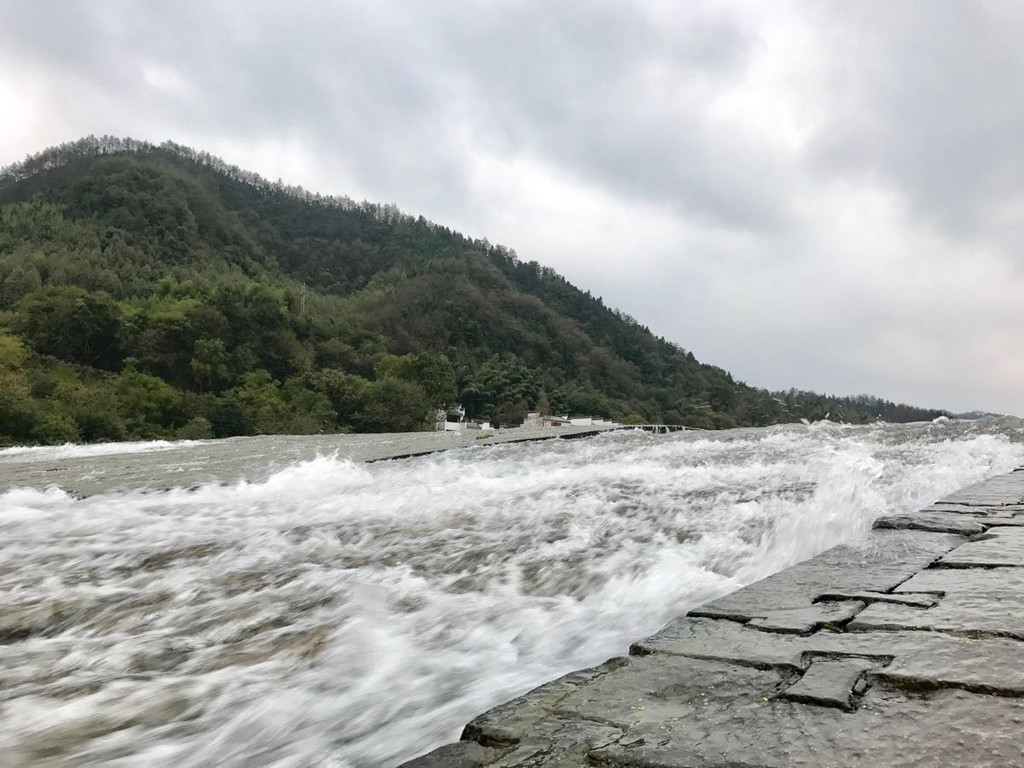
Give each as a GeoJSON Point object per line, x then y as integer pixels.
{"type": "Point", "coordinates": [909, 599]}
{"type": "Point", "coordinates": [568, 716]}
{"type": "Point", "coordinates": [925, 526]}
{"type": "Point", "coordinates": [809, 657]}
{"type": "Point", "coordinates": [978, 504]}
{"type": "Point", "coordinates": [969, 634]}
{"type": "Point", "coordinates": [955, 566]}
{"type": "Point", "coordinates": [738, 618]}
{"type": "Point", "coordinates": [781, 667]}
{"type": "Point", "coordinates": [834, 680]}
{"type": "Point", "coordinates": [491, 737]}
{"type": "Point", "coordinates": [924, 685]}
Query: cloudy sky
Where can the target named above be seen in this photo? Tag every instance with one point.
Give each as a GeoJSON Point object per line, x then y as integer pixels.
{"type": "Point", "coordinates": [827, 195]}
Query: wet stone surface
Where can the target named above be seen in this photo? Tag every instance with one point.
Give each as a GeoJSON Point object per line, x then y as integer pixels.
{"type": "Point", "coordinates": [917, 600]}
{"type": "Point", "coordinates": [883, 561]}
{"type": "Point", "coordinates": [977, 602]}
{"type": "Point", "coordinates": [906, 649]}
{"type": "Point", "coordinates": [833, 681]}
{"type": "Point", "coordinates": [937, 522]}
{"type": "Point", "coordinates": [1005, 490]}
{"type": "Point", "coordinates": [999, 546]}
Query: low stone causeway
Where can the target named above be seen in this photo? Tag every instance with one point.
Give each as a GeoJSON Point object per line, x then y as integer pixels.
{"type": "Point", "coordinates": [905, 649]}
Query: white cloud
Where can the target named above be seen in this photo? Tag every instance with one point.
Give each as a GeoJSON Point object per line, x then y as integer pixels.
{"type": "Point", "coordinates": [165, 79]}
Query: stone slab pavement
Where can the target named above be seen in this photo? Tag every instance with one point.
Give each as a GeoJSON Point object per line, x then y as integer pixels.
{"type": "Point", "coordinates": [906, 649]}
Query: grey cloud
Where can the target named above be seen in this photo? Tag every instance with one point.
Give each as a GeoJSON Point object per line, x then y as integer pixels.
{"type": "Point", "coordinates": [933, 101]}
{"type": "Point", "coordinates": [575, 86]}
{"type": "Point", "coordinates": [919, 106]}
{"type": "Point", "coordinates": [386, 83]}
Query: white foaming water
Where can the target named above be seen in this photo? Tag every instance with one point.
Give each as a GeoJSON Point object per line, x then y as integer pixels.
{"type": "Point", "coordinates": [344, 614]}
{"type": "Point", "coordinates": [72, 451]}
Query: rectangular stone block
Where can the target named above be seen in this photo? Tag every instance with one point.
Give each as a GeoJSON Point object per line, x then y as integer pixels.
{"type": "Point", "coordinates": [920, 660]}
{"type": "Point", "coordinates": [945, 728]}
{"type": "Point", "coordinates": [1003, 490]}
{"type": "Point", "coordinates": [885, 559]}
{"type": "Point", "coordinates": [937, 522]}
{"type": "Point", "coordinates": [832, 682]}
{"type": "Point", "coordinates": [977, 602]}
{"type": "Point", "coordinates": [999, 546]}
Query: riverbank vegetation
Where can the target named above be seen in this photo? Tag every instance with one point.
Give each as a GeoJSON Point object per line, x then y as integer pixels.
{"type": "Point", "coordinates": [155, 292]}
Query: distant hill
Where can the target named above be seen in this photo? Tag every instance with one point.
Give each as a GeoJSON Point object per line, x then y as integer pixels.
{"type": "Point", "coordinates": [154, 291]}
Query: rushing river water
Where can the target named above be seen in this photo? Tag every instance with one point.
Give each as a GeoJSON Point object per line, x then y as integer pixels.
{"type": "Point", "coordinates": [342, 614]}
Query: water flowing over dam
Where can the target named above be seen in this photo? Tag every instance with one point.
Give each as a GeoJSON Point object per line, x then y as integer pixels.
{"type": "Point", "coordinates": [290, 607]}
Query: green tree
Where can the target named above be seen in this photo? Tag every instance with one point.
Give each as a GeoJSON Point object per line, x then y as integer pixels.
{"type": "Point", "coordinates": [210, 365]}
{"type": "Point", "coordinates": [72, 324]}
{"type": "Point", "coordinates": [347, 393]}
{"type": "Point", "coordinates": [149, 406]}
{"type": "Point", "coordinates": [509, 414]}
{"type": "Point", "coordinates": [22, 280]}
{"type": "Point", "coordinates": [543, 407]}
{"type": "Point", "coordinates": [197, 428]}
{"type": "Point", "coordinates": [311, 412]}
{"type": "Point", "coordinates": [393, 405]}
{"type": "Point", "coordinates": [259, 402]}
{"type": "Point", "coordinates": [17, 412]}
{"type": "Point", "coordinates": [433, 373]}
{"type": "Point", "coordinates": [499, 380]}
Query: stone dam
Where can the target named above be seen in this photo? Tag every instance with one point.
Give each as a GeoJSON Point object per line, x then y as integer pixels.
{"type": "Point", "coordinates": [904, 649]}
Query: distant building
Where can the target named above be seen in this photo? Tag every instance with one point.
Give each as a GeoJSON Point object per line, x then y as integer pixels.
{"type": "Point", "coordinates": [556, 421]}
{"type": "Point", "coordinates": [451, 420]}
{"type": "Point", "coordinates": [535, 419]}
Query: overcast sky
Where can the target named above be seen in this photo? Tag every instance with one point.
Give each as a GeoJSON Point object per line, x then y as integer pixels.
{"type": "Point", "coordinates": [826, 195]}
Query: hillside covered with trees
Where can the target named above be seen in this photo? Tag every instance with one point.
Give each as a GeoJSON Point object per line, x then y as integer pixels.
{"type": "Point", "coordinates": [155, 292]}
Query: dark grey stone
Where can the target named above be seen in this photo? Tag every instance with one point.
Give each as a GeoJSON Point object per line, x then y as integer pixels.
{"type": "Point", "coordinates": [927, 661]}
{"type": "Point", "coordinates": [675, 711]}
{"type": "Point", "coordinates": [510, 723]}
{"type": "Point", "coordinates": [460, 754]}
{"type": "Point", "coordinates": [938, 522]}
{"type": "Point", "coordinates": [922, 660]}
{"type": "Point", "coordinates": [1008, 514]}
{"type": "Point", "coordinates": [887, 729]}
{"type": "Point", "coordinates": [828, 615]}
{"type": "Point", "coordinates": [919, 600]}
{"type": "Point", "coordinates": [978, 602]}
{"type": "Point", "coordinates": [719, 640]}
{"type": "Point", "coordinates": [1004, 490]}
{"type": "Point", "coordinates": [883, 560]}
{"type": "Point", "coordinates": [1001, 546]}
{"type": "Point", "coordinates": [830, 682]}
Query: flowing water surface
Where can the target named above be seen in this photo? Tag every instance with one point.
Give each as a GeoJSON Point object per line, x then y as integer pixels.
{"type": "Point", "coordinates": [343, 614]}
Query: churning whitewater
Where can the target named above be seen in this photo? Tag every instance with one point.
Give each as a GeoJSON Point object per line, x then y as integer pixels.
{"type": "Point", "coordinates": [343, 614]}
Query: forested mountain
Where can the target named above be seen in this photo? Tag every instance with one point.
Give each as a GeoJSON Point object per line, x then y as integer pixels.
{"type": "Point", "coordinates": [153, 291]}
